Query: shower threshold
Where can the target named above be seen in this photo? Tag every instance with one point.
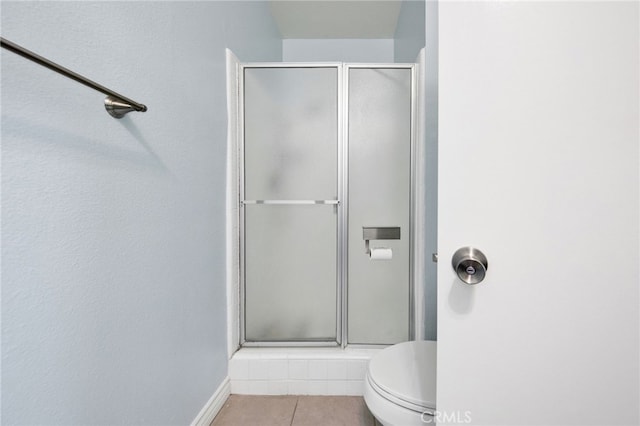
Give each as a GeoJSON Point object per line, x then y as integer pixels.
{"type": "Point", "coordinates": [299, 371]}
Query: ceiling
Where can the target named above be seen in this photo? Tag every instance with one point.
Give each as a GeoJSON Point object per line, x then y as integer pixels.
{"type": "Point", "coordinates": [336, 19]}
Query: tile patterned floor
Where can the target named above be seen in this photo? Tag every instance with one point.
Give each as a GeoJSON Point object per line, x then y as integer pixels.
{"type": "Point", "coordinates": [291, 410]}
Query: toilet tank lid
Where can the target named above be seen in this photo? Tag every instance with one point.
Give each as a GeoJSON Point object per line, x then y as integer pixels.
{"type": "Point", "coordinates": [407, 371]}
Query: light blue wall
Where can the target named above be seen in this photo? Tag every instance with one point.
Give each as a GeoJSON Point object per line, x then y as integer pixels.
{"type": "Point", "coordinates": [410, 31]}
{"type": "Point", "coordinates": [431, 163]}
{"type": "Point", "coordinates": [418, 28]}
{"type": "Point", "coordinates": [338, 50]}
{"type": "Point", "coordinates": [113, 231]}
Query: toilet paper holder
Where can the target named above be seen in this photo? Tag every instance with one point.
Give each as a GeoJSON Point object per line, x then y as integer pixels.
{"type": "Point", "coordinates": [379, 233]}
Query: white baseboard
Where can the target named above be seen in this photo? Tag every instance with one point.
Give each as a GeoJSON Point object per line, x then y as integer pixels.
{"type": "Point", "coordinates": [213, 406]}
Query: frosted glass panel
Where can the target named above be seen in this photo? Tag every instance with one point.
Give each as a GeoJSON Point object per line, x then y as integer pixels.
{"type": "Point", "coordinates": [290, 250]}
{"type": "Point", "coordinates": [291, 133]}
{"type": "Point", "coordinates": [379, 188]}
{"type": "Point", "coordinates": [290, 272]}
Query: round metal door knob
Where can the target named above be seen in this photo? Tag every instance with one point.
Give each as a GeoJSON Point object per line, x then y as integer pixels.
{"type": "Point", "coordinates": [470, 265]}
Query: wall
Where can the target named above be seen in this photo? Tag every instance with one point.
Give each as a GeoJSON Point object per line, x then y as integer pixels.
{"type": "Point", "coordinates": [113, 231]}
{"type": "Point", "coordinates": [410, 31]}
{"type": "Point", "coordinates": [431, 167]}
{"type": "Point", "coordinates": [337, 50]}
{"type": "Point", "coordinates": [409, 39]}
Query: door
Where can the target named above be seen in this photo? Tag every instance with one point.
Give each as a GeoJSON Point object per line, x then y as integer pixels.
{"type": "Point", "coordinates": [326, 153]}
{"type": "Point", "coordinates": [538, 160]}
{"type": "Point", "coordinates": [289, 194]}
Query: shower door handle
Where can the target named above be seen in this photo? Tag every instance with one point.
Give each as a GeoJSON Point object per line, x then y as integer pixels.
{"type": "Point", "coordinates": [470, 265]}
{"type": "Point", "coordinates": [291, 202]}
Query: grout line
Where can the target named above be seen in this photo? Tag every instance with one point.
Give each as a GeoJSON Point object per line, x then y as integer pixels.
{"type": "Point", "coordinates": [294, 411]}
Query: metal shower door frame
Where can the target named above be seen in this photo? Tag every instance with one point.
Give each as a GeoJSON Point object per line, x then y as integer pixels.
{"type": "Point", "coordinates": [342, 202]}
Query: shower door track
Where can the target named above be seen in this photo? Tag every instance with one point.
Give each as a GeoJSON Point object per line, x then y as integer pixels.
{"type": "Point", "coordinates": [341, 204]}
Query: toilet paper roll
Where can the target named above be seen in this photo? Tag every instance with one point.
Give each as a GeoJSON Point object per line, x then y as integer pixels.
{"type": "Point", "coordinates": [381, 253]}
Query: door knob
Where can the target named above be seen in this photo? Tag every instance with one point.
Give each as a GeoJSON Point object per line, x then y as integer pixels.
{"type": "Point", "coordinates": [470, 265]}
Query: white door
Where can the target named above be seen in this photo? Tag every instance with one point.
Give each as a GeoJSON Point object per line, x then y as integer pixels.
{"type": "Point", "coordinates": [538, 168]}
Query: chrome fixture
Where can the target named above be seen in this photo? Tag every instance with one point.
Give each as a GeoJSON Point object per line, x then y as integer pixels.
{"type": "Point", "coordinates": [117, 108]}
{"type": "Point", "coordinates": [115, 104]}
{"type": "Point", "coordinates": [379, 233]}
{"type": "Point", "coordinates": [290, 202]}
{"type": "Point", "coordinates": [470, 265]}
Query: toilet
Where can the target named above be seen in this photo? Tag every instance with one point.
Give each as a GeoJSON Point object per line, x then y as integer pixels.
{"type": "Point", "coordinates": [400, 386]}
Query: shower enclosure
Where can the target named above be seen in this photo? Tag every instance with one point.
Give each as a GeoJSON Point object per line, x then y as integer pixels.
{"type": "Point", "coordinates": [326, 172]}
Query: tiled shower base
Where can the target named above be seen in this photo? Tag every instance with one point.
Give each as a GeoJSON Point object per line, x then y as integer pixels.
{"type": "Point", "coordinates": [299, 371]}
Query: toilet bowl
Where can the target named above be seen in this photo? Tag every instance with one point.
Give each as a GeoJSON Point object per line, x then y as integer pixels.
{"type": "Point", "coordinates": [400, 386]}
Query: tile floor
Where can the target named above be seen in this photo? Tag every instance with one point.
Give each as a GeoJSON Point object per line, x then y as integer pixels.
{"type": "Point", "coordinates": [291, 410]}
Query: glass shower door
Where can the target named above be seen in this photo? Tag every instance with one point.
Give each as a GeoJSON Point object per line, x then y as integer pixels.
{"type": "Point", "coordinates": [289, 194]}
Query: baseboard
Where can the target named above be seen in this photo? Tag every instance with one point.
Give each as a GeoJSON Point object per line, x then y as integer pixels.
{"type": "Point", "coordinates": [213, 406]}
